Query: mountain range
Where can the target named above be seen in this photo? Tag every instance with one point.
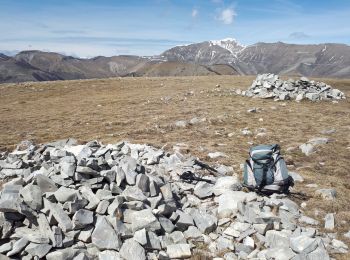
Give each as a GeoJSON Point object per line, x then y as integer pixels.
{"type": "Point", "coordinates": [223, 57]}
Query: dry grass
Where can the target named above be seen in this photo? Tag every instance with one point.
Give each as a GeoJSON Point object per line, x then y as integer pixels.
{"type": "Point", "coordinates": [144, 110]}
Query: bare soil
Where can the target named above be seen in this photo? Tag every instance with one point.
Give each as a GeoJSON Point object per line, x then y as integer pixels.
{"type": "Point", "coordinates": [144, 110]}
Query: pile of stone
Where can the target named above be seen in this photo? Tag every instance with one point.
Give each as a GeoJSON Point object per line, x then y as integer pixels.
{"type": "Point", "coordinates": [271, 86]}
{"type": "Point", "coordinates": [126, 201]}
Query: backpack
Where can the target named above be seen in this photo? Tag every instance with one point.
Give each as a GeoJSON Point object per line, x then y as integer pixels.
{"type": "Point", "coordinates": [266, 171]}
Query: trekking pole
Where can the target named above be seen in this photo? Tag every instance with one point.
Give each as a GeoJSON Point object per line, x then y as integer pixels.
{"type": "Point", "coordinates": [206, 166]}
{"type": "Point", "coordinates": [189, 177]}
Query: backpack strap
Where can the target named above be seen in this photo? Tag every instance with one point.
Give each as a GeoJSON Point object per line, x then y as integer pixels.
{"type": "Point", "coordinates": [249, 164]}
{"type": "Point", "coordinates": [276, 161]}
{"type": "Point", "coordinates": [263, 181]}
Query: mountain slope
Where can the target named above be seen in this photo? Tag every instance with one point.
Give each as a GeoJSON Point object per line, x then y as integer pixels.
{"type": "Point", "coordinates": [322, 60]}
{"type": "Point", "coordinates": [223, 57]}
{"type": "Point", "coordinates": [12, 70]}
{"type": "Point", "coordinates": [326, 60]}
{"type": "Point", "coordinates": [68, 67]}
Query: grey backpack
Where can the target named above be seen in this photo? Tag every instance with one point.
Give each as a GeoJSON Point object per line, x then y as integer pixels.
{"type": "Point", "coordinates": [266, 171]}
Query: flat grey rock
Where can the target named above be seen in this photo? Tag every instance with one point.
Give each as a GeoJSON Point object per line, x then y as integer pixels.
{"type": "Point", "coordinates": [87, 171]}
{"type": "Point", "coordinates": [307, 149]}
{"type": "Point", "coordinates": [166, 224]}
{"type": "Point", "coordinates": [63, 254]}
{"type": "Point", "coordinates": [130, 177]}
{"type": "Point", "coordinates": [38, 250]}
{"type": "Point", "coordinates": [10, 199]}
{"type": "Point", "coordinates": [81, 256]}
{"type": "Point", "coordinates": [132, 250]}
{"type": "Point", "coordinates": [57, 237]}
{"type": "Point", "coordinates": [60, 215]}
{"type": "Point", "coordinates": [228, 202]}
{"type": "Point", "coordinates": [64, 194]}
{"type": "Point", "coordinates": [91, 197]}
{"type": "Point", "coordinates": [192, 232]}
{"type": "Point", "coordinates": [215, 155]}
{"type": "Point", "coordinates": [109, 255]}
{"type": "Point", "coordinates": [277, 238]}
{"type": "Point", "coordinates": [120, 176]}
{"type": "Point", "coordinates": [104, 236]}
{"type": "Point", "coordinates": [82, 218]}
{"type": "Point", "coordinates": [303, 244]}
{"type": "Point", "coordinates": [280, 253]}
{"type": "Point", "coordinates": [85, 234]}
{"type": "Point", "coordinates": [224, 244]}
{"type": "Point", "coordinates": [329, 221]}
{"type": "Point", "coordinates": [178, 251]}
{"type": "Point", "coordinates": [339, 246]}
{"type": "Point", "coordinates": [32, 235]}
{"type": "Point", "coordinates": [203, 190]}
{"type": "Point", "coordinates": [205, 222]}
{"type": "Point", "coordinates": [102, 207]}
{"type": "Point", "coordinates": [109, 175]}
{"type": "Point", "coordinates": [144, 219]}
{"type": "Point", "coordinates": [140, 236]}
{"type": "Point", "coordinates": [319, 253]}
{"type": "Point", "coordinates": [308, 220]}
{"type": "Point", "coordinates": [32, 196]}
{"type": "Point", "coordinates": [18, 246]}
{"type": "Point", "coordinates": [45, 183]}
{"type": "Point", "coordinates": [327, 194]}
{"type": "Point", "coordinates": [142, 182]}
{"type": "Point", "coordinates": [68, 166]}
{"type": "Point", "coordinates": [181, 123]}
{"type": "Point", "coordinates": [115, 206]}
{"type": "Point", "coordinates": [4, 248]}
{"type": "Point", "coordinates": [132, 193]}
{"type": "Point", "coordinates": [184, 220]}
{"type": "Point", "coordinates": [153, 241]}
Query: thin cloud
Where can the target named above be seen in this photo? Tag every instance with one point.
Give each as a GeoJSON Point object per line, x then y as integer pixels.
{"type": "Point", "coordinates": [217, 1]}
{"type": "Point", "coordinates": [298, 35]}
{"type": "Point", "coordinates": [227, 15]}
{"type": "Point", "coordinates": [69, 32]}
{"type": "Point", "coordinates": [194, 13]}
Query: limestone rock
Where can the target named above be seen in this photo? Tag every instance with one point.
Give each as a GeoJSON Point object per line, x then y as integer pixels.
{"type": "Point", "coordinates": [144, 219]}
{"type": "Point", "coordinates": [82, 218]}
{"type": "Point", "coordinates": [104, 235]}
{"type": "Point", "coordinates": [226, 183]}
{"type": "Point", "coordinates": [132, 250]}
{"type": "Point", "coordinates": [179, 251]}
{"type": "Point", "coordinates": [60, 215]}
{"type": "Point", "coordinates": [32, 196]}
{"type": "Point", "coordinates": [327, 194]}
{"type": "Point", "coordinates": [329, 221]}
{"type": "Point", "coordinates": [18, 246]}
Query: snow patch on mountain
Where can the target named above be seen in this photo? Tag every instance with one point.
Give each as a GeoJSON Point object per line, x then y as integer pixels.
{"type": "Point", "coordinates": [230, 44]}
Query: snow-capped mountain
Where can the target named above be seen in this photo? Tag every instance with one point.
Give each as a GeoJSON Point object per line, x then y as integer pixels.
{"type": "Point", "coordinates": [229, 44]}
{"type": "Point", "coordinates": [208, 52]}
{"type": "Point", "coordinates": [218, 57]}
{"type": "Point", "coordinates": [280, 58]}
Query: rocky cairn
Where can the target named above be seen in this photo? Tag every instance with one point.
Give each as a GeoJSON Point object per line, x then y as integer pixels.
{"type": "Point", "coordinates": [271, 86]}
{"type": "Point", "coordinates": [126, 201]}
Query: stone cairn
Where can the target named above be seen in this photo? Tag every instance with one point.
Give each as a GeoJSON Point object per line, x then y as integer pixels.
{"type": "Point", "coordinates": [271, 86]}
{"type": "Point", "coordinates": [126, 201]}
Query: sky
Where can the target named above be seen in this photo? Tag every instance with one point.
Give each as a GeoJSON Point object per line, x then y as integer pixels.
{"type": "Point", "coordinates": [88, 28]}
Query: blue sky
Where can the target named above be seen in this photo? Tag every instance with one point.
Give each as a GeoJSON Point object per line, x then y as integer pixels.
{"type": "Point", "coordinates": [110, 27]}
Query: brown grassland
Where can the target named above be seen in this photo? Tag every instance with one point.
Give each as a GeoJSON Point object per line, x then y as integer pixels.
{"type": "Point", "coordinates": [144, 110]}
